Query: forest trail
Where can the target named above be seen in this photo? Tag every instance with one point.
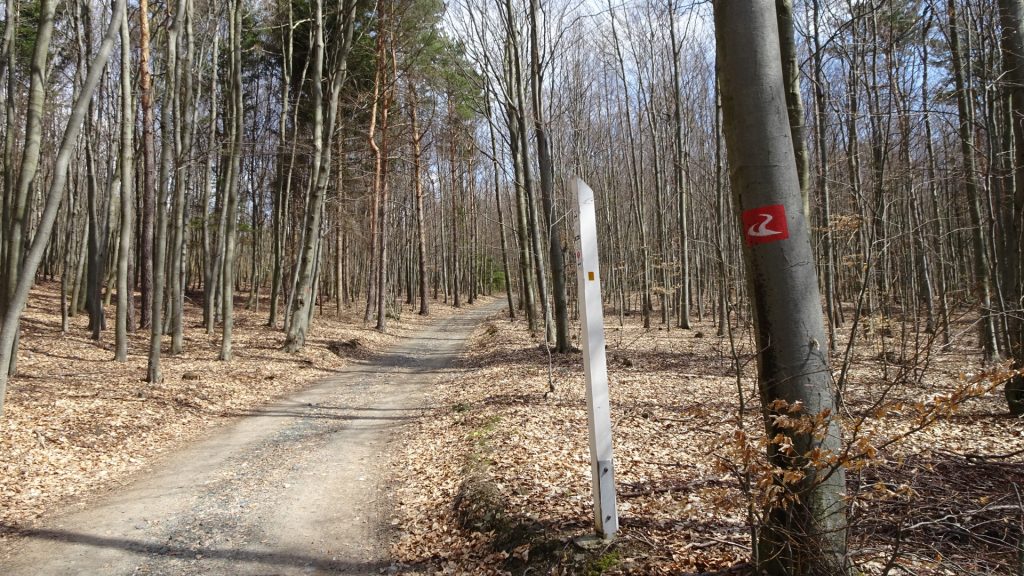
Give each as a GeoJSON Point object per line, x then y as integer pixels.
{"type": "Point", "coordinates": [296, 487]}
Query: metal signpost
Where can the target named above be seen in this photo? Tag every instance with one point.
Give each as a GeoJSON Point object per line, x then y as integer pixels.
{"type": "Point", "coordinates": [595, 366]}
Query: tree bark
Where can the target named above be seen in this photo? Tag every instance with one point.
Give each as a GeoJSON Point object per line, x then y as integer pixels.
{"type": "Point", "coordinates": [168, 177]}
{"type": "Point", "coordinates": [149, 167]}
{"type": "Point", "coordinates": [1012, 43]}
{"type": "Point", "coordinates": [183, 134]}
{"type": "Point", "coordinates": [806, 537]}
{"type": "Point", "coordinates": [794, 99]}
{"type": "Point", "coordinates": [233, 180]}
{"type": "Point", "coordinates": [417, 177]}
{"type": "Point", "coordinates": [211, 246]}
{"type": "Point", "coordinates": [18, 206]}
{"type": "Point", "coordinates": [681, 180]}
{"type": "Point", "coordinates": [124, 289]}
{"type": "Point", "coordinates": [283, 174]}
{"type": "Point", "coordinates": [545, 165]}
{"type": "Point", "coordinates": [820, 104]}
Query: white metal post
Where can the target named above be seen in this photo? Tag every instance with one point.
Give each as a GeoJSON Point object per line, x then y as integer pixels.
{"type": "Point", "coordinates": [595, 367]}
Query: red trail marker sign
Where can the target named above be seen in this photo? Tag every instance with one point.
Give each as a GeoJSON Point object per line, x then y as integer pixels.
{"type": "Point", "coordinates": [765, 224]}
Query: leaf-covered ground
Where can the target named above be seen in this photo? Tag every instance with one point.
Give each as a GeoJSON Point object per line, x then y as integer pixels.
{"type": "Point", "coordinates": [77, 422]}
{"type": "Point", "coordinates": [496, 478]}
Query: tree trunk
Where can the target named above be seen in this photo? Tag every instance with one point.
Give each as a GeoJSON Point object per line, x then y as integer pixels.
{"type": "Point", "coordinates": [283, 174]}
{"type": "Point", "coordinates": [417, 182]}
{"type": "Point", "coordinates": [124, 289]}
{"type": "Point", "coordinates": [682, 183]}
{"type": "Point", "coordinates": [183, 132]}
{"type": "Point", "coordinates": [95, 229]}
{"type": "Point", "coordinates": [820, 104]}
{"type": "Point", "coordinates": [211, 246]}
{"type": "Point", "coordinates": [385, 60]}
{"type": "Point", "coordinates": [525, 258]}
{"type": "Point", "coordinates": [794, 99]}
{"type": "Point", "coordinates": [149, 167]}
{"type": "Point", "coordinates": [497, 203]}
{"type": "Point", "coordinates": [545, 165]}
{"type": "Point", "coordinates": [17, 223]}
{"type": "Point", "coordinates": [7, 63]}
{"type": "Point", "coordinates": [806, 537]}
{"type": "Point", "coordinates": [1012, 42]}
{"type": "Point", "coordinates": [168, 177]}
{"type": "Point", "coordinates": [233, 180]}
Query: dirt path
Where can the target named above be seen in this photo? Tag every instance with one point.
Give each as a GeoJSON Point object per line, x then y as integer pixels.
{"type": "Point", "coordinates": [294, 488]}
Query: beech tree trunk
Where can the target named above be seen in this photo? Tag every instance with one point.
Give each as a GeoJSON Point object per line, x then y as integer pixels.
{"type": "Point", "coordinates": [233, 180]}
{"type": "Point", "coordinates": [17, 217]}
{"type": "Point", "coordinates": [124, 288]}
{"type": "Point", "coordinates": [808, 536]}
{"type": "Point", "coordinates": [168, 177]}
{"type": "Point", "coordinates": [545, 165]}
{"type": "Point", "coordinates": [1012, 42]}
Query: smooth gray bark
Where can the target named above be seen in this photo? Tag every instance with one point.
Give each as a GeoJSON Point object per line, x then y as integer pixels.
{"type": "Point", "coordinates": [124, 289]}
{"type": "Point", "coordinates": [210, 244]}
{"type": "Point", "coordinates": [168, 179]}
{"type": "Point", "coordinates": [808, 536]}
{"type": "Point", "coordinates": [183, 134]}
{"type": "Point", "coordinates": [233, 180]}
{"type": "Point", "coordinates": [681, 177]}
{"type": "Point", "coordinates": [794, 99]}
{"type": "Point", "coordinates": [545, 165]}
{"type": "Point", "coordinates": [820, 104]}
{"type": "Point", "coordinates": [283, 171]}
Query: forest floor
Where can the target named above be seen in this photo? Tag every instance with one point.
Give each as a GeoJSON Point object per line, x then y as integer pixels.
{"type": "Point", "coordinates": [497, 479]}
{"type": "Point", "coordinates": [493, 478]}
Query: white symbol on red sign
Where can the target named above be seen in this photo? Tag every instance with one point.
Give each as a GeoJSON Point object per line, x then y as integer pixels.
{"type": "Point", "coordinates": [765, 224]}
{"type": "Point", "coordinates": [761, 230]}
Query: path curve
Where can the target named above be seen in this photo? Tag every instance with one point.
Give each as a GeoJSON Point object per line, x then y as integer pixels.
{"type": "Point", "coordinates": [296, 487]}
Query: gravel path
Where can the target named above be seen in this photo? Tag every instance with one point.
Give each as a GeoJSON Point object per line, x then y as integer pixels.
{"type": "Point", "coordinates": [297, 487]}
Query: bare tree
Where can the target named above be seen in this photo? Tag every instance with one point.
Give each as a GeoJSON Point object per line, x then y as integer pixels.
{"type": "Point", "coordinates": [124, 287]}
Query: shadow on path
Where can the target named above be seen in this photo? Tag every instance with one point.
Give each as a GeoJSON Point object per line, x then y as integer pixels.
{"type": "Point", "coordinates": [150, 548]}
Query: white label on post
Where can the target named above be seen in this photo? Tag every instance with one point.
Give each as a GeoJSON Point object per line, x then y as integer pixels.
{"type": "Point", "coordinates": [595, 367]}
